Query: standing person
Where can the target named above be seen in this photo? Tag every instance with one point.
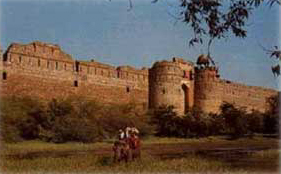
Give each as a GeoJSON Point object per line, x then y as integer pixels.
{"type": "Point", "coordinates": [121, 135]}
{"type": "Point", "coordinates": [127, 132]}
{"type": "Point", "coordinates": [135, 131]}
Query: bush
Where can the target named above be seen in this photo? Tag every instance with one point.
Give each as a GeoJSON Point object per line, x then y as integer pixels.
{"type": "Point", "coordinates": [235, 120]}
{"type": "Point", "coordinates": [71, 119]}
{"type": "Point", "coordinates": [165, 120]}
{"type": "Point", "coordinates": [255, 121]}
{"type": "Point", "coordinates": [271, 117]}
{"type": "Point", "coordinates": [17, 118]}
{"type": "Point", "coordinates": [115, 117]}
{"type": "Point", "coordinates": [195, 123]}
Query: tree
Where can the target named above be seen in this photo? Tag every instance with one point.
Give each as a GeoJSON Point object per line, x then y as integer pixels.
{"type": "Point", "coordinates": [271, 117]}
{"type": "Point", "coordinates": [235, 120]}
{"type": "Point", "coordinates": [216, 19]}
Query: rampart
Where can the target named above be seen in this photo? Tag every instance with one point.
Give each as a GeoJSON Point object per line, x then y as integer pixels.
{"type": "Point", "coordinates": [211, 92]}
{"type": "Point", "coordinates": [45, 71]}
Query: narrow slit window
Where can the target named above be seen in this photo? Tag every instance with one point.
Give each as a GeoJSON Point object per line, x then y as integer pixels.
{"type": "Point", "coordinates": [128, 89]}
{"type": "Point", "coordinates": [20, 59]}
{"type": "Point", "coordinates": [39, 63]}
{"type": "Point", "coordinates": [48, 64]}
{"type": "Point", "coordinates": [57, 65]}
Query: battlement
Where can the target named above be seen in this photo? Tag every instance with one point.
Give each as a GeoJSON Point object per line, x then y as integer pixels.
{"type": "Point", "coordinates": [182, 61]}
{"type": "Point", "coordinates": [44, 70]}
{"type": "Point", "coordinates": [38, 49]}
{"type": "Point", "coordinates": [206, 73]}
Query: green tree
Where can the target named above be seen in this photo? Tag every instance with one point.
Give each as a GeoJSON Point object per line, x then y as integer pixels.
{"type": "Point", "coordinates": [165, 120]}
{"type": "Point", "coordinates": [235, 120]}
{"type": "Point", "coordinates": [271, 117]}
{"type": "Point", "coordinates": [217, 19]}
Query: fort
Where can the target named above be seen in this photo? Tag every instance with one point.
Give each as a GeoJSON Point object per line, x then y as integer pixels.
{"type": "Point", "coordinates": [46, 71]}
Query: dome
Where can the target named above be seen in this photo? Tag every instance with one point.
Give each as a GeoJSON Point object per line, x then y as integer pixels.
{"type": "Point", "coordinates": [203, 59]}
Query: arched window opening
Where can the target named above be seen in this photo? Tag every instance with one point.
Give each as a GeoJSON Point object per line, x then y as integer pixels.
{"type": "Point", "coordinates": [75, 83]}
{"type": "Point", "coordinates": [186, 97]}
{"type": "Point", "coordinates": [128, 89]}
{"type": "Point", "coordinates": [76, 66]}
{"type": "Point", "coordinates": [4, 75]}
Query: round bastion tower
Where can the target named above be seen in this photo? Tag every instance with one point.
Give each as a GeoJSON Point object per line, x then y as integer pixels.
{"type": "Point", "coordinates": [165, 86]}
{"type": "Point", "coordinates": [207, 95]}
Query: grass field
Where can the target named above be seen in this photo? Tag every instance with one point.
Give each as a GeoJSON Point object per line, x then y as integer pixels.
{"type": "Point", "coordinates": [169, 155]}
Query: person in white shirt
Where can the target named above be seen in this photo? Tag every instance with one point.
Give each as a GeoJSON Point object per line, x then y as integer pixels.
{"type": "Point", "coordinates": [121, 135]}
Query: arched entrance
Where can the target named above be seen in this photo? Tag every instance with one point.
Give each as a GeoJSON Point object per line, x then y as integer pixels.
{"type": "Point", "coordinates": [185, 97]}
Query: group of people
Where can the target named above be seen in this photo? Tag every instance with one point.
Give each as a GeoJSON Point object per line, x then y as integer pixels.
{"type": "Point", "coordinates": [130, 132]}
{"type": "Point", "coordinates": [127, 146]}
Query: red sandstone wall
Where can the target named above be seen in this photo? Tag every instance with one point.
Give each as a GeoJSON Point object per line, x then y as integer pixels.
{"type": "Point", "coordinates": [211, 92]}
{"type": "Point", "coordinates": [251, 97]}
{"type": "Point", "coordinates": [45, 71]}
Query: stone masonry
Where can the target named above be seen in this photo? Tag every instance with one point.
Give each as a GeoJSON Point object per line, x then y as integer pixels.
{"type": "Point", "coordinates": [45, 71]}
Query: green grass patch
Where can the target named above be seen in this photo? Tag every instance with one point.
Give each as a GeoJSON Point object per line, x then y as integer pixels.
{"type": "Point", "coordinates": [14, 157]}
{"type": "Point", "coordinates": [92, 163]}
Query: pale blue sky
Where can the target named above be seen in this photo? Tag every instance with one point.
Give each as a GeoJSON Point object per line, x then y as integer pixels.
{"type": "Point", "coordinates": [109, 33]}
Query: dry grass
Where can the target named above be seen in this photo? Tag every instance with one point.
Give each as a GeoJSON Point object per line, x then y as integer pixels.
{"type": "Point", "coordinates": [91, 163]}
{"type": "Point", "coordinates": [88, 162]}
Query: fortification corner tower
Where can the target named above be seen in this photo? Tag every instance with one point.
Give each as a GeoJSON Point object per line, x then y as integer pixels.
{"type": "Point", "coordinates": [208, 97]}
{"type": "Point", "coordinates": [171, 83]}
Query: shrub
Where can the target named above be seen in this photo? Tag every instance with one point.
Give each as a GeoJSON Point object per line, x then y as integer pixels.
{"type": "Point", "coordinates": [116, 117]}
{"type": "Point", "coordinates": [255, 121]}
{"type": "Point", "coordinates": [165, 120]}
{"type": "Point", "coordinates": [195, 123]}
{"type": "Point", "coordinates": [271, 117]}
{"type": "Point", "coordinates": [17, 118]}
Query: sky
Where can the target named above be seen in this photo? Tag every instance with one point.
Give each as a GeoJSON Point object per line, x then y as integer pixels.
{"type": "Point", "coordinates": [108, 32]}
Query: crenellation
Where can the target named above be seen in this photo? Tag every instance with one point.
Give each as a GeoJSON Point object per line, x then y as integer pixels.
{"type": "Point", "coordinates": [44, 70]}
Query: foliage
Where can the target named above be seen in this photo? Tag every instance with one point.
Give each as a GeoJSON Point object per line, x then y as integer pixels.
{"type": "Point", "coordinates": [255, 121]}
{"type": "Point", "coordinates": [165, 120]}
{"type": "Point", "coordinates": [115, 117]}
{"type": "Point", "coordinates": [235, 120]}
{"type": "Point", "coordinates": [217, 18]}
{"type": "Point", "coordinates": [194, 124]}
{"type": "Point", "coordinates": [271, 117]}
{"type": "Point", "coordinates": [81, 120]}
{"type": "Point", "coordinates": [62, 120]}
{"type": "Point", "coordinates": [17, 122]}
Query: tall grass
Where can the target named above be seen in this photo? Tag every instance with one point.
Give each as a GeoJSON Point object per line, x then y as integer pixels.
{"type": "Point", "coordinates": [88, 162]}
{"type": "Point", "coordinates": [92, 163]}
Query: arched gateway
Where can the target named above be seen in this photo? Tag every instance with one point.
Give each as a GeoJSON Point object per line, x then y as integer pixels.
{"type": "Point", "coordinates": [185, 98]}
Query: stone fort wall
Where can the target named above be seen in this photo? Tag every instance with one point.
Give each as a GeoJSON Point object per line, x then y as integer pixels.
{"type": "Point", "coordinates": [211, 92]}
{"type": "Point", "coordinates": [45, 71]}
